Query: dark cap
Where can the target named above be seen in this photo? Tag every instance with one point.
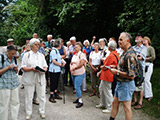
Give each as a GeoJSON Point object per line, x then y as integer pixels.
{"type": "Point", "coordinates": [139, 34]}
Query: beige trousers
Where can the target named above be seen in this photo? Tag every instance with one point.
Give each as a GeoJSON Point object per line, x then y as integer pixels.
{"type": "Point", "coordinates": [9, 97]}
{"type": "Point", "coordinates": [106, 97]}
{"type": "Point", "coordinates": [29, 92]}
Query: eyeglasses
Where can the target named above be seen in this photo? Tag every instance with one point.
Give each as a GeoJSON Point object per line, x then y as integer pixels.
{"type": "Point", "coordinates": [36, 44]}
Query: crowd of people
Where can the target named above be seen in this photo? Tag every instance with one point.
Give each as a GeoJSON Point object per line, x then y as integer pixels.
{"type": "Point", "coordinates": [111, 70]}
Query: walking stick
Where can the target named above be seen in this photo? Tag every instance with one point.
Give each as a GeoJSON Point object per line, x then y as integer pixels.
{"type": "Point", "coordinates": [63, 70]}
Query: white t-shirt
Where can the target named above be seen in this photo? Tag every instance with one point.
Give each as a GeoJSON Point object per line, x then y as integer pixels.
{"type": "Point", "coordinates": [96, 57]}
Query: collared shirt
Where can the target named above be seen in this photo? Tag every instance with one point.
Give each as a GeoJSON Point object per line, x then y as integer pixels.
{"type": "Point", "coordinates": [54, 55]}
{"type": "Point", "coordinates": [110, 60]}
{"type": "Point", "coordinates": [9, 79]}
{"type": "Point", "coordinates": [71, 49]}
{"type": "Point", "coordinates": [127, 63]}
{"type": "Point", "coordinates": [31, 59]}
{"type": "Point", "coordinates": [143, 51]}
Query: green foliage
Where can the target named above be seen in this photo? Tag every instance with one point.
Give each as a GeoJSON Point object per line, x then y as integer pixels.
{"type": "Point", "coordinates": [141, 17]}
{"type": "Point", "coordinates": [153, 107]}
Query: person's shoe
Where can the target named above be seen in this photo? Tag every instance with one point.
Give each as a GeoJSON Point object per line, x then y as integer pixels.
{"type": "Point", "coordinates": [28, 117]}
{"type": "Point", "coordinates": [42, 115]}
{"type": "Point", "coordinates": [74, 92]}
{"type": "Point", "coordinates": [139, 106]}
{"type": "Point", "coordinates": [58, 97]}
{"type": "Point", "coordinates": [106, 111]}
{"type": "Point", "coordinates": [85, 91]}
{"type": "Point", "coordinates": [100, 106]}
{"type": "Point", "coordinates": [22, 86]}
{"type": "Point", "coordinates": [52, 100]}
{"type": "Point", "coordinates": [35, 102]}
{"type": "Point", "coordinates": [79, 105]}
{"type": "Point", "coordinates": [76, 101]}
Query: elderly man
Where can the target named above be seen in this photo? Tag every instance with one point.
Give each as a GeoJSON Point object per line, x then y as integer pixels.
{"type": "Point", "coordinates": [106, 77]}
{"type": "Point", "coordinates": [10, 41]}
{"type": "Point", "coordinates": [48, 45]}
{"type": "Point", "coordinates": [71, 51]}
{"type": "Point", "coordinates": [125, 77]}
{"type": "Point", "coordinates": [141, 52]}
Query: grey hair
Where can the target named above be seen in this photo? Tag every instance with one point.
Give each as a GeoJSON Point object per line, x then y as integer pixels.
{"type": "Point", "coordinates": [96, 43]}
{"type": "Point", "coordinates": [68, 42]}
{"type": "Point", "coordinates": [33, 40]}
{"type": "Point", "coordinates": [49, 36]}
{"type": "Point", "coordinates": [127, 35]}
{"type": "Point", "coordinates": [55, 43]}
{"type": "Point", "coordinates": [112, 44]}
{"type": "Point", "coordinates": [86, 41]}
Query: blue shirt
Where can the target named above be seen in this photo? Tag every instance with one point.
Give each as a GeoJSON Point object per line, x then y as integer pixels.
{"type": "Point", "coordinates": [143, 51]}
{"type": "Point", "coordinates": [48, 45]}
{"type": "Point", "coordinates": [54, 55]}
{"type": "Point", "coordinates": [88, 50]}
{"type": "Point", "coordinates": [9, 79]}
{"type": "Point", "coordinates": [41, 50]}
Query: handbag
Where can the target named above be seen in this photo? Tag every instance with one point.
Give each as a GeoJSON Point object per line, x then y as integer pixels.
{"type": "Point", "coordinates": [20, 72]}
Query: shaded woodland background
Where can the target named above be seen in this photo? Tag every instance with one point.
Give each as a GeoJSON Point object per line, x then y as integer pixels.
{"type": "Point", "coordinates": [19, 19]}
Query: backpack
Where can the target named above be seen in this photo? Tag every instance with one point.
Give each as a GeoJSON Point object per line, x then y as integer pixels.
{"type": "Point", "coordinates": [2, 56]}
{"type": "Point", "coordinates": [139, 78]}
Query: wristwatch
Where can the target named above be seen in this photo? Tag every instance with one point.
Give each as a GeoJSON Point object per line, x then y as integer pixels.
{"type": "Point", "coordinates": [118, 72]}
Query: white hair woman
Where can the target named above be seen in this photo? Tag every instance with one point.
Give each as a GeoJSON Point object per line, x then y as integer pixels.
{"type": "Point", "coordinates": [34, 80]}
{"type": "Point", "coordinates": [78, 72]}
{"type": "Point", "coordinates": [95, 62]}
{"type": "Point", "coordinates": [106, 78]}
{"type": "Point", "coordinates": [87, 47]}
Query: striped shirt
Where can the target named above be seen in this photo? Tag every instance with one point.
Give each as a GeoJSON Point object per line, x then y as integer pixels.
{"type": "Point", "coordinates": [9, 79]}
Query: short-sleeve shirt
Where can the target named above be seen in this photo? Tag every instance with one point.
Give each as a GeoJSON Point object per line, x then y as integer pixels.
{"type": "Point", "coordinates": [143, 51]}
{"type": "Point", "coordinates": [76, 59]}
{"type": "Point", "coordinates": [88, 50]}
{"type": "Point", "coordinates": [48, 45]}
{"type": "Point", "coordinates": [71, 49]}
{"type": "Point", "coordinates": [54, 55]}
{"type": "Point", "coordinates": [110, 60]}
{"type": "Point", "coordinates": [95, 57]}
{"type": "Point", "coordinates": [127, 63]}
{"type": "Point", "coordinates": [9, 79]}
{"type": "Point", "coordinates": [32, 59]}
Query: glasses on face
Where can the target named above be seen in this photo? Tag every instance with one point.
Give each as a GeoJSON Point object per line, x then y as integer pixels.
{"type": "Point", "coordinates": [36, 44]}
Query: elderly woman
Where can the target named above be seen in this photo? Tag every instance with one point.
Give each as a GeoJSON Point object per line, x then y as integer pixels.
{"type": "Point", "coordinates": [33, 79]}
{"type": "Point", "coordinates": [9, 92]}
{"type": "Point", "coordinates": [55, 65]}
{"type": "Point", "coordinates": [95, 62]}
{"type": "Point", "coordinates": [148, 68]}
{"type": "Point", "coordinates": [87, 48]}
{"type": "Point", "coordinates": [77, 68]}
{"type": "Point", "coordinates": [106, 77]}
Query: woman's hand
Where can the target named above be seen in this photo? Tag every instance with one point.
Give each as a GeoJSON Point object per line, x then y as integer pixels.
{"type": "Point", "coordinates": [33, 69]}
{"type": "Point", "coordinates": [15, 68]}
{"type": "Point", "coordinates": [98, 74]}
